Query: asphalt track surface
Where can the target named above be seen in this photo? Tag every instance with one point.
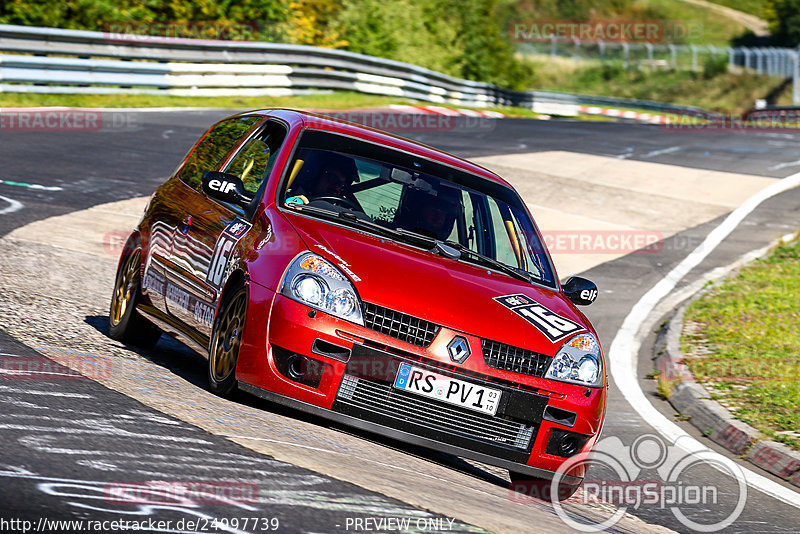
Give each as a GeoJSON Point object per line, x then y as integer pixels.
{"type": "Point", "coordinates": [59, 172]}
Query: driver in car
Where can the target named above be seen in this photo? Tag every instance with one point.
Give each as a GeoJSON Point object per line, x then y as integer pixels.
{"type": "Point", "coordinates": [333, 180]}
{"type": "Point", "coordinates": [429, 215]}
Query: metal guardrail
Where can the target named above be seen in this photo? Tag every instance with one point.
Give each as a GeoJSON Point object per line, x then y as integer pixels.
{"type": "Point", "coordinates": [50, 60]}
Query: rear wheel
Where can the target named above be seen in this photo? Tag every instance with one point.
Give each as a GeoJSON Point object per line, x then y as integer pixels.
{"type": "Point", "coordinates": [225, 342]}
{"type": "Point", "coordinates": [124, 324]}
{"type": "Point", "coordinates": [541, 488]}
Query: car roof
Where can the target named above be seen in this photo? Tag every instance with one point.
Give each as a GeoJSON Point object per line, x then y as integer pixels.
{"type": "Point", "coordinates": [315, 120]}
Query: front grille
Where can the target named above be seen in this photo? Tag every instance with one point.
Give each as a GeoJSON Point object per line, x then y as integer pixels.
{"type": "Point", "coordinates": [398, 325]}
{"type": "Point", "coordinates": [514, 359]}
{"type": "Point", "coordinates": [400, 409]}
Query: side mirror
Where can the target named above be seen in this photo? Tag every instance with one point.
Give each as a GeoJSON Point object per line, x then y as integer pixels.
{"type": "Point", "coordinates": [225, 187]}
{"type": "Point", "coordinates": [580, 290]}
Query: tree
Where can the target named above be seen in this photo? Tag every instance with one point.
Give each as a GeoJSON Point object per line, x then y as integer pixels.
{"type": "Point", "coordinates": [784, 21]}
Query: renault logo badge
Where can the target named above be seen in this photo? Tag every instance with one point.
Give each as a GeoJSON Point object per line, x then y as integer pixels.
{"type": "Point", "coordinates": [458, 349]}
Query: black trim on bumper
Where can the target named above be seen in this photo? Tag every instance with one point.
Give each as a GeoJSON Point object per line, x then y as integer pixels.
{"type": "Point", "coordinates": [403, 436]}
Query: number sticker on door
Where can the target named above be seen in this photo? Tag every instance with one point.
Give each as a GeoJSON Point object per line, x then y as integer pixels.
{"type": "Point", "coordinates": [223, 249]}
{"type": "Point", "coordinates": [547, 322]}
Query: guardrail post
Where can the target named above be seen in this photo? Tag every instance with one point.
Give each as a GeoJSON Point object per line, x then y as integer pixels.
{"type": "Point", "coordinates": [796, 78]}
{"type": "Point", "coordinates": [731, 58]}
{"type": "Point", "coordinates": [553, 45]}
{"type": "Point", "coordinates": [673, 56]}
{"type": "Point", "coordinates": [767, 61]}
{"type": "Point", "coordinates": [601, 45]}
{"type": "Point", "coordinates": [693, 48]}
{"type": "Point", "coordinates": [626, 54]}
{"type": "Point", "coordinates": [649, 47]}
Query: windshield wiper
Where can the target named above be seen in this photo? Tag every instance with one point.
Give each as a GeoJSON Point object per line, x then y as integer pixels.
{"type": "Point", "coordinates": [525, 276]}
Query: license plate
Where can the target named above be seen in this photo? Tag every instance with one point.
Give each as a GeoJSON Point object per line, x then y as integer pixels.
{"type": "Point", "coordinates": [447, 389]}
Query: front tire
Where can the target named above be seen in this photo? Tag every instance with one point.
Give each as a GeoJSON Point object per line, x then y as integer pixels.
{"type": "Point", "coordinates": [226, 339]}
{"type": "Point", "coordinates": [124, 324]}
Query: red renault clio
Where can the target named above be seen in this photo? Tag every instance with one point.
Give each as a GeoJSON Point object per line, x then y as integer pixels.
{"type": "Point", "coordinates": [371, 280]}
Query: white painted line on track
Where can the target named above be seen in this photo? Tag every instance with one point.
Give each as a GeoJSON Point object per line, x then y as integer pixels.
{"type": "Point", "coordinates": [13, 205]}
{"type": "Point", "coordinates": [624, 350]}
{"type": "Point", "coordinates": [794, 163]}
{"type": "Point", "coordinates": [47, 393]}
{"type": "Point", "coordinates": [31, 186]}
{"type": "Point", "coordinates": [655, 153]}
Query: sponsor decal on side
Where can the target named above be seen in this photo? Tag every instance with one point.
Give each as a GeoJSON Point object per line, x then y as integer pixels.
{"type": "Point", "coordinates": [202, 312]}
{"type": "Point", "coordinates": [547, 322]}
{"type": "Point", "coordinates": [224, 249]}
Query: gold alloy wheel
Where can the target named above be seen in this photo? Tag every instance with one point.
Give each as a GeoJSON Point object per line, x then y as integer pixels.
{"type": "Point", "coordinates": [127, 281]}
{"type": "Point", "coordinates": [228, 337]}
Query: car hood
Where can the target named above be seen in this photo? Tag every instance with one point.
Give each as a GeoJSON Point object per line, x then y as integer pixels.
{"type": "Point", "coordinates": [451, 293]}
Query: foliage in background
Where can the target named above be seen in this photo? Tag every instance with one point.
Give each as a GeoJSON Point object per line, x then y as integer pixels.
{"type": "Point", "coordinates": [460, 38]}
{"type": "Point", "coordinates": [784, 21]}
{"type": "Point", "coordinates": [270, 15]}
{"type": "Point", "coordinates": [312, 22]}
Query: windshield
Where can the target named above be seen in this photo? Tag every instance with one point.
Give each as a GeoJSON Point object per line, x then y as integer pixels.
{"type": "Point", "coordinates": [382, 188]}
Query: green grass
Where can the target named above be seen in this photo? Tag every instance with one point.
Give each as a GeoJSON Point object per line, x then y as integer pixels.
{"type": "Point", "coordinates": [324, 101]}
{"type": "Point", "coordinates": [709, 89]}
{"type": "Point", "coordinates": [338, 100]}
{"type": "Point", "coordinates": [705, 25]}
{"type": "Point", "coordinates": [753, 7]}
{"type": "Point", "coordinates": [746, 347]}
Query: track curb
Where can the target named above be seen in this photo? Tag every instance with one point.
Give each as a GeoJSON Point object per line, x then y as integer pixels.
{"type": "Point", "coordinates": [692, 400]}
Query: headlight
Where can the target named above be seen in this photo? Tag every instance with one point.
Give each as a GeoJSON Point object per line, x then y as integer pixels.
{"type": "Point", "coordinates": [314, 281]}
{"type": "Point", "coordinates": [578, 361]}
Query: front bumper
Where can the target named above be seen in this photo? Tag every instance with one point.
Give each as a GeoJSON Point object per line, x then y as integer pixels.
{"type": "Point", "coordinates": [350, 380]}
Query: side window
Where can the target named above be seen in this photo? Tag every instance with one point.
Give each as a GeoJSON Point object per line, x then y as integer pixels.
{"type": "Point", "coordinates": [473, 224]}
{"type": "Point", "coordinates": [503, 233]}
{"type": "Point", "coordinates": [254, 162]}
{"type": "Point", "coordinates": [209, 154]}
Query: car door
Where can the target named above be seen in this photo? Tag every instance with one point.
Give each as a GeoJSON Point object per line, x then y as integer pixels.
{"type": "Point", "coordinates": [169, 208]}
{"type": "Point", "coordinates": [204, 246]}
